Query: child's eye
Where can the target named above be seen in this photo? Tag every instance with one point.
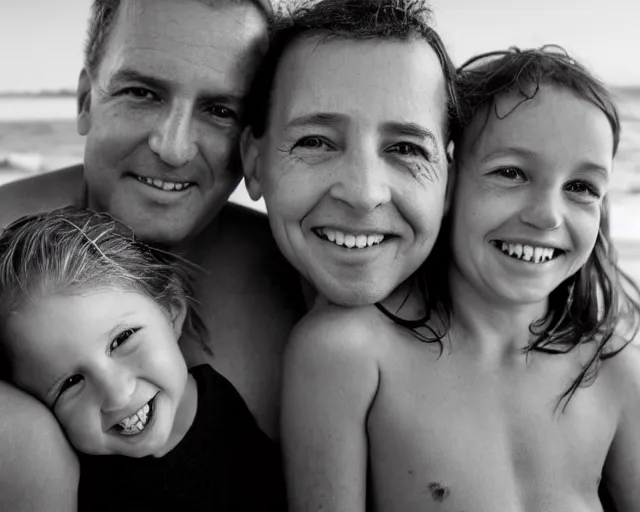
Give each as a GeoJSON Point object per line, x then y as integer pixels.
{"type": "Point", "coordinates": [313, 143]}
{"type": "Point", "coordinates": [511, 173]}
{"type": "Point", "coordinates": [407, 149]}
{"type": "Point", "coordinates": [582, 188]}
{"type": "Point", "coordinates": [121, 338]}
{"type": "Point", "coordinates": [66, 385]}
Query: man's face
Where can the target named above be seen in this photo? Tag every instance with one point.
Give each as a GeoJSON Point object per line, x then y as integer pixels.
{"type": "Point", "coordinates": [162, 114]}
{"type": "Point", "coordinates": [352, 166]}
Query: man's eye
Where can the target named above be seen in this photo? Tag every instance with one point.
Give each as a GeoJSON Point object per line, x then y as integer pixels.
{"type": "Point", "coordinates": [139, 92]}
{"type": "Point", "coordinates": [407, 149]}
{"type": "Point", "coordinates": [222, 112]}
{"type": "Point", "coordinates": [121, 338]}
{"type": "Point", "coordinates": [312, 142]}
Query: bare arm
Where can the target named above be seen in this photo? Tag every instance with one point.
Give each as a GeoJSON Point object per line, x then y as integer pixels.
{"type": "Point", "coordinates": [622, 467]}
{"type": "Point", "coordinates": [39, 471]}
{"type": "Point", "coordinates": [330, 382]}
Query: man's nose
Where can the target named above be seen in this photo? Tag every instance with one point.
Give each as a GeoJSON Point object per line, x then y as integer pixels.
{"type": "Point", "coordinates": [172, 139]}
{"type": "Point", "coordinates": [543, 210]}
{"type": "Point", "coordinates": [362, 181]}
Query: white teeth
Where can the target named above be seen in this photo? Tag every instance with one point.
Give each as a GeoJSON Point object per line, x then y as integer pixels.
{"type": "Point", "coordinates": [135, 423]}
{"type": "Point", "coordinates": [350, 240]}
{"type": "Point", "coordinates": [537, 254]}
{"type": "Point", "coordinates": [530, 253]}
{"type": "Point", "coordinates": [167, 186]}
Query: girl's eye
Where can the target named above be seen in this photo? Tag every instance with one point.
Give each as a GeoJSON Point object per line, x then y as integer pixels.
{"type": "Point", "coordinates": [511, 173]}
{"type": "Point", "coordinates": [139, 92]}
{"type": "Point", "coordinates": [312, 143]}
{"type": "Point", "coordinates": [68, 384]}
{"type": "Point", "coordinates": [121, 338]}
{"type": "Point", "coordinates": [407, 149]}
{"type": "Point", "coordinates": [582, 188]}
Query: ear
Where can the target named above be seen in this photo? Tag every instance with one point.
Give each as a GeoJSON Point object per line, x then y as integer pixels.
{"type": "Point", "coordinates": [451, 177]}
{"type": "Point", "coordinates": [249, 153]}
{"type": "Point", "coordinates": [84, 103]}
{"type": "Point", "coordinates": [177, 314]}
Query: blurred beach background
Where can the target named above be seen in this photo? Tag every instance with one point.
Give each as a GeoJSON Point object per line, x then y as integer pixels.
{"type": "Point", "coordinates": [37, 107]}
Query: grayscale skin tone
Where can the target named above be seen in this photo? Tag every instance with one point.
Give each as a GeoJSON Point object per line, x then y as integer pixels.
{"type": "Point", "coordinates": [374, 419]}
{"type": "Point", "coordinates": [158, 109]}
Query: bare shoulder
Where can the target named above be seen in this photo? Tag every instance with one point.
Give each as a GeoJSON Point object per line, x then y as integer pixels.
{"type": "Point", "coordinates": [40, 193]}
{"type": "Point", "coordinates": [39, 470]}
{"type": "Point", "coordinates": [622, 373]}
{"type": "Point", "coordinates": [333, 332]}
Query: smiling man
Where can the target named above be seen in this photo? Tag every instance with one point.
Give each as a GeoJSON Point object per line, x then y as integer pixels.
{"type": "Point", "coordinates": [161, 103]}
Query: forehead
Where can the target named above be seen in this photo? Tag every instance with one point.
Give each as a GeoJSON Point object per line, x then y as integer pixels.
{"type": "Point", "coordinates": [186, 40]}
{"type": "Point", "coordinates": [555, 122]}
{"type": "Point", "coordinates": [369, 81]}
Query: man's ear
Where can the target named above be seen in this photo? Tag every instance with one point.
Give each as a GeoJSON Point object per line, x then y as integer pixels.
{"type": "Point", "coordinates": [452, 172]}
{"type": "Point", "coordinates": [177, 314]}
{"type": "Point", "coordinates": [84, 103]}
{"type": "Point", "coordinates": [249, 152]}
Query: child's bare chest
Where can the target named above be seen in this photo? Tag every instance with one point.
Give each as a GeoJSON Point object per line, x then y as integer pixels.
{"type": "Point", "coordinates": [455, 434]}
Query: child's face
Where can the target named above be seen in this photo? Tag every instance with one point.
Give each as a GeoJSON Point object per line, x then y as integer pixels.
{"type": "Point", "coordinates": [352, 167]}
{"type": "Point", "coordinates": [527, 202]}
{"type": "Point", "coordinates": [97, 360]}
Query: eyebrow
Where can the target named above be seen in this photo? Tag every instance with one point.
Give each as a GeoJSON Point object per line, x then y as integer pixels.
{"type": "Point", "coordinates": [410, 129]}
{"type": "Point", "coordinates": [130, 75]}
{"type": "Point", "coordinates": [319, 119]}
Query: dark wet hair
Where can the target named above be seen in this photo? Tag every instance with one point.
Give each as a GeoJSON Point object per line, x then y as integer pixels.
{"type": "Point", "coordinates": [105, 12]}
{"type": "Point", "coordinates": [394, 20]}
{"type": "Point", "coordinates": [73, 250]}
{"type": "Point", "coordinates": [600, 300]}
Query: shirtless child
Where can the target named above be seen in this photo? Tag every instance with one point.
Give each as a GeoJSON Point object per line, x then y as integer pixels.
{"type": "Point", "coordinates": [472, 396]}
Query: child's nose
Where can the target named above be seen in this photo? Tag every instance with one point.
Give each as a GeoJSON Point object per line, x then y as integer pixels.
{"type": "Point", "coordinates": [116, 389]}
{"type": "Point", "coordinates": [543, 211]}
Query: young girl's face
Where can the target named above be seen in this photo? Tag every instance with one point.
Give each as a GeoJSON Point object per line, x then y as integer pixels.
{"type": "Point", "coordinates": [529, 192]}
{"type": "Point", "coordinates": [107, 362]}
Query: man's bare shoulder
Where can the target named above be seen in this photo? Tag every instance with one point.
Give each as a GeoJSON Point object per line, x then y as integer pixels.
{"type": "Point", "coordinates": [41, 193]}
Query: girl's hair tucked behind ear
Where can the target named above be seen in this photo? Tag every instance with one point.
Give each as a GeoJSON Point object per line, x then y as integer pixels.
{"type": "Point", "coordinates": [599, 301]}
{"type": "Point", "coordinates": [72, 250]}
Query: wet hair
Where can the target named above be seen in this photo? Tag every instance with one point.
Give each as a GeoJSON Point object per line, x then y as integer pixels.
{"type": "Point", "coordinates": [600, 301]}
{"type": "Point", "coordinates": [103, 17]}
{"type": "Point", "coordinates": [359, 20]}
{"type": "Point", "coordinates": [71, 251]}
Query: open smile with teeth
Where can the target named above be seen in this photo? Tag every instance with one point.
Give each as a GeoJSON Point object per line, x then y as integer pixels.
{"type": "Point", "coordinates": [137, 422]}
{"type": "Point", "coordinates": [349, 240]}
{"type": "Point", "coordinates": [167, 186]}
{"type": "Point", "coordinates": [529, 253]}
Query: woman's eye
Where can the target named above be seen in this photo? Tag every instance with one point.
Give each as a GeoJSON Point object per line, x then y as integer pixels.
{"type": "Point", "coordinates": [121, 338]}
{"type": "Point", "coordinates": [407, 149]}
{"type": "Point", "coordinates": [582, 188]}
{"type": "Point", "coordinates": [222, 112]}
{"type": "Point", "coordinates": [139, 92]}
{"type": "Point", "coordinates": [312, 143]}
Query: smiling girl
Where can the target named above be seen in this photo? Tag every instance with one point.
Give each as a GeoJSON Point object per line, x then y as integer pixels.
{"type": "Point", "coordinates": [90, 320]}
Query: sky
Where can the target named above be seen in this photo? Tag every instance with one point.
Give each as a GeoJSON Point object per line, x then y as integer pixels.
{"type": "Point", "coordinates": [41, 41]}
